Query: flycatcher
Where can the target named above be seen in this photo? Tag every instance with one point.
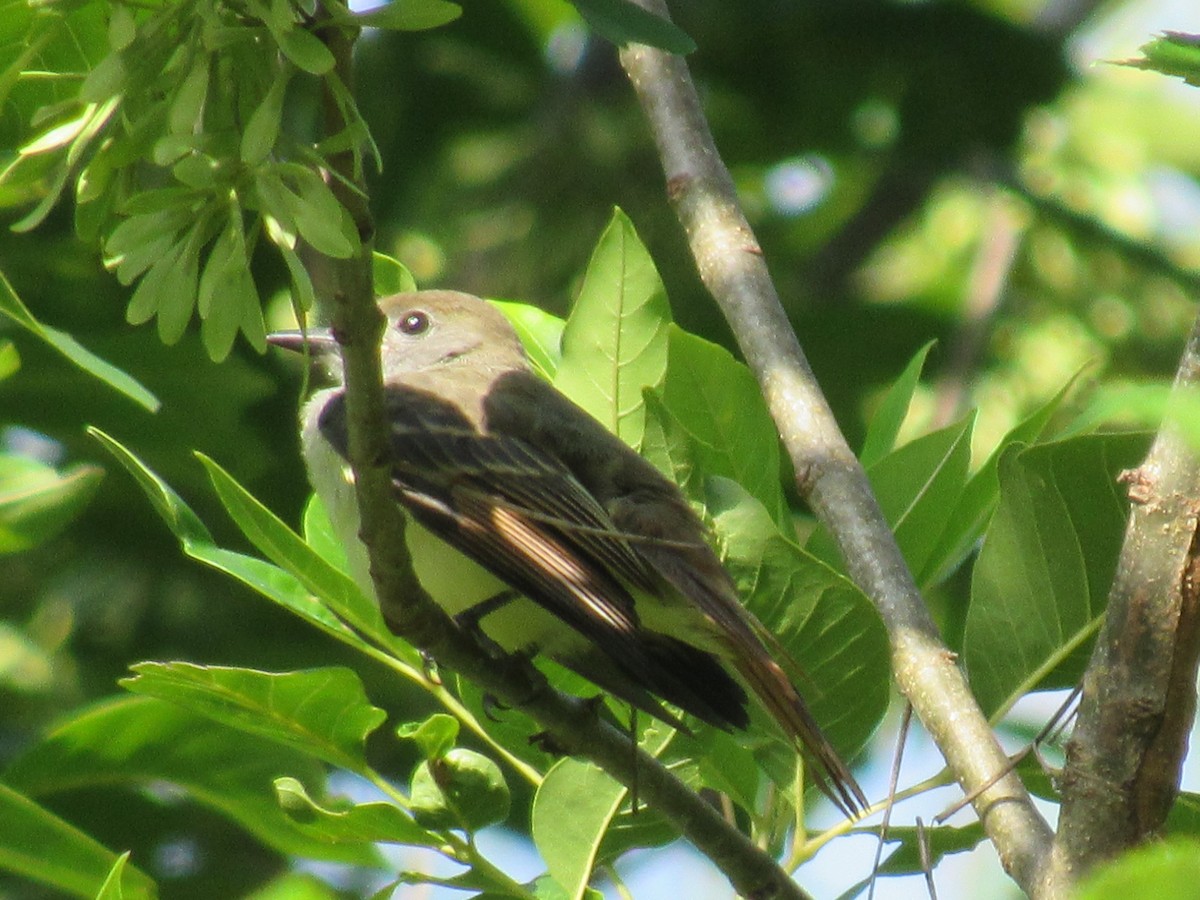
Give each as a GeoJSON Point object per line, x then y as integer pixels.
{"type": "Point", "coordinates": [531, 521]}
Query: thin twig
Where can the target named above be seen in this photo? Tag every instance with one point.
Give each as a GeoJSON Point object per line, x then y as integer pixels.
{"type": "Point", "coordinates": [893, 786]}
{"type": "Point", "coordinates": [731, 265]}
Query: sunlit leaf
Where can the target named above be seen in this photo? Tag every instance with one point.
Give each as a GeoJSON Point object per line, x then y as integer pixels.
{"type": "Point", "coordinates": [1164, 870]}
{"type": "Point", "coordinates": [351, 823]}
{"type": "Point", "coordinates": [615, 340]}
{"type": "Point", "coordinates": [1175, 53]}
{"type": "Point", "coordinates": [885, 424]}
{"type": "Point", "coordinates": [410, 15]}
{"type": "Point", "coordinates": [323, 711]}
{"type": "Point", "coordinates": [539, 331]}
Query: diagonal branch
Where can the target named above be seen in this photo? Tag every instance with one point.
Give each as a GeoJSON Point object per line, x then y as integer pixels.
{"type": "Point", "coordinates": [828, 475]}
{"type": "Point", "coordinates": [1139, 691]}
{"type": "Point", "coordinates": [570, 723]}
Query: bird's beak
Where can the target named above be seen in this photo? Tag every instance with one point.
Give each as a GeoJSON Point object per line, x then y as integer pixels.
{"type": "Point", "coordinates": [320, 341]}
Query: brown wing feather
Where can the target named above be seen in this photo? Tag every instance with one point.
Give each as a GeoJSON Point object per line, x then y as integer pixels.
{"type": "Point", "coordinates": [655, 520]}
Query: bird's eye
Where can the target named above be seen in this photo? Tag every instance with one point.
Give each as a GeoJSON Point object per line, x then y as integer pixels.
{"type": "Point", "coordinates": [414, 322]}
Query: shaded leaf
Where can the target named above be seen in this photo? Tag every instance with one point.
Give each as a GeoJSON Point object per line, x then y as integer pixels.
{"type": "Point", "coordinates": [732, 433]}
{"type": "Point", "coordinates": [624, 22]}
{"type": "Point", "coordinates": [828, 627]}
{"type": "Point", "coordinates": [11, 306]}
{"type": "Point", "coordinates": [37, 501]}
{"type": "Point", "coordinates": [38, 845]}
{"type": "Point", "coordinates": [1042, 578]}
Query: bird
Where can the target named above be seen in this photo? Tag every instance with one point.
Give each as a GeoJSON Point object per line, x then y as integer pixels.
{"type": "Point", "coordinates": [528, 520]}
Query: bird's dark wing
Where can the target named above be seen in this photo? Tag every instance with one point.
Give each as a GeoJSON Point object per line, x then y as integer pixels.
{"type": "Point", "coordinates": [650, 516]}
{"type": "Point", "coordinates": [521, 514]}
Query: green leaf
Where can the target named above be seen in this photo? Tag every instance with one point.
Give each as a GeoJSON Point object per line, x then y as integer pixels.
{"type": "Point", "coordinates": [122, 26]}
{"type": "Point", "coordinates": [284, 547]}
{"type": "Point", "coordinates": [220, 295]}
{"type": "Point", "coordinates": [279, 586]}
{"type": "Point", "coordinates": [828, 627]}
{"type": "Point", "coordinates": [940, 842]}
{"type": "Point", "coordinates": [176, 305]}
{"type": "Point", "coordinates": [184, 524]}
{"type": "Point", "coordinates": [58, 135]}
{"type": "Point", "coordinates": [885, 424]}
{"type": "Point", "coordinates": [320, 535]}
{"type": "Point", "coordinates": [390, 275]}
{"type": "Point", "coordinates": [10, 359]}
{"type": "Point", "coordinates": [323, 712]}
{"type": "Point", "coordinates": [571, 813]}
{"type": "Point", "coordinates": [306, 51]}
{"type": "Point", "coordinates": [262, 131]}
{"type": "Point", "coordinates": [320, 216]}
{"type": "Point", "coordinates": [37, 501]}
{"type": "Point", "coordinates": [188, 106]}
{"type": "Point", "coordinates": [981, 493]}
{"type": "Point", "coordinates": [1042, 578]}
{"type": "Point", "coordinates": [435, 736]}
{"type": "Point", "coordinates": [668, 446]}
{"type": "Point", "coordinates": [462, 789]}
{"type": "Point", "coordinates": [298, 886]}
{"type": "Point", "coordinates": [228, 254]}
{"type": "Point", "coordinates": [1166, 870]}
{"type": "Point", "coordinates": [540, 334]}
{"type": "Point", "coordinates": [111, 889]}
{"type": "Point", "coordinates": [157, 286]}
{"type": "Point", "coordinates": [918, 487]}
{"type": "Point", "coordinates": [346, 823]}
{"type": "Point", "coordinates": [732, 433]}
{"type": "Point", "coordinates": [624, 22]}
{"type": "Point", "coordinates": [139, 742]}
{"type": "Point", "coordinates": [40, 846]}
{"type": "Point", "coordinates": [254, 328]}
{"type": "Point", "coordinates": [304, 295]}
{"type": "Point", "coordinates": [106, 80]}
{"type": "Point", "coordinates": [11, 306]}
{"type": "Point", "coordinates": [410, 15]}
{"type": "Point", "coordinates": [269, 580]}
{"type": "Point", "coordinates": [1174, 54]}
{"type": "Point", "coordinates": [615, 341]}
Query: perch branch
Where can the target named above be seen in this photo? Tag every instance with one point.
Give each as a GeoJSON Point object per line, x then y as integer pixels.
{"type": "Point", "coordinates": [731, 265]}
{"type": "Point", "coordinates": [1139, 691]}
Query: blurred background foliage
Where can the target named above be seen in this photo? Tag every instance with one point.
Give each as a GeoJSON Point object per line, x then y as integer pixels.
{"type": "Point", "coordinates": [971, 172]}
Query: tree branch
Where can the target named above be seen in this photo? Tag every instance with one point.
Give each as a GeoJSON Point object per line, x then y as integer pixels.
{"type": "Point", "coordinates": [1139, 691]}
{"type": "Point", "coordinates": [828, 475]}
{"type": "Point", "coordinates": [572, 723]}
